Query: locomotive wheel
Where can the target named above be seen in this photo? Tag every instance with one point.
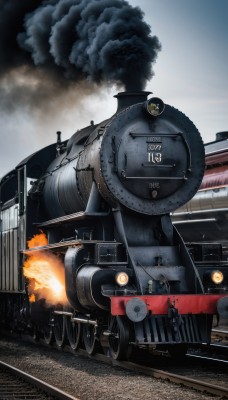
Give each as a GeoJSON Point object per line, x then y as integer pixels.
{"type": "Point", "coordinates": [73, 330]}
{"type": "Point", "coordinates": [60, 330]}
{"type": "Point", "coordinates": [36, 334]}
{"type": "Point", "coordinates": [119, 338]}
{"type": "Point", "coordinates": [48, 334]}
{"type": "Point", "coordinates": [89, 337]}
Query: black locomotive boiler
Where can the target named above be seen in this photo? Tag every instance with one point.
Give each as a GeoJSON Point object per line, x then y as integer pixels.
{"type": "Point", "coordinates": [104, 199]}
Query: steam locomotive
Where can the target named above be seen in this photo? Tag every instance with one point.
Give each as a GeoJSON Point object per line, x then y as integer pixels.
{"type": "Point", "coordinates": [103, 198]}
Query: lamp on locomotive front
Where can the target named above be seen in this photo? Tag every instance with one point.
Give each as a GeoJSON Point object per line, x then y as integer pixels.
{"type": "Point", "coordinates": [122, 278]}
{"type": "Point", "coordinates": [155, 106]}
{"type": "Point", "coordinates": [217, 277]}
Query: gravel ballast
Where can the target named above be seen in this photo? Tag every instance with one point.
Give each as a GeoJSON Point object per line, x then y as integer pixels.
{"type": "Point", "coordinates": [86, 378]}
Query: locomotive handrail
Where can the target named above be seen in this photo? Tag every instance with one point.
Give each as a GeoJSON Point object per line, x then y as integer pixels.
{"type": "Point", "coordinates": [67, 243]}
{"type": "Point", "coordinates": [157, 177]}
{"type": "Point", "coordinates": [72, 217]}
{"type": "Point", "coordinates": [194, 221]}
{"type": "Point", "coordinates": [159, 165]}
{"type": "Point", "coordinates": [98, 132]}
{"type": "Point", "coordinates": [141, 134]}
{"type": "Point", "coordinates": [212, 210]}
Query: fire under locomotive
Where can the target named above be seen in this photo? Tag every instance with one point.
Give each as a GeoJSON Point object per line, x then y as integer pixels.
{"type": "Point", "coordinates": [104, 199]}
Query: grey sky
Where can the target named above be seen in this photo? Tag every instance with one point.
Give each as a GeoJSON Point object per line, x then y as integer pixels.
{"type": "Point", "coordinates": [190, 74]}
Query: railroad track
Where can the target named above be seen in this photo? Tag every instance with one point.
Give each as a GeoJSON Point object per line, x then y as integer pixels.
{"type": "Point", "coordinates": [161, 373]}
{"type": "Point", "coordinates": [179, 379]}
{"type": "Point", "coordinates": [219, 333]}
{"type": "Point", "coordinates": [16, 384]}
{"type": "Point", "coordinates": [218, 349]}
{"type": "Point", "coordinates": [201, 386]}
{"type": "Point", "coordinates": [198, 385]}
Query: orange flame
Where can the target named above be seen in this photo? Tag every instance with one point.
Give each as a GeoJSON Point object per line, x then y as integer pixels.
{"type": "Point", "coordinates": [38, 240]}
{"type": "Point", "coordinates": [32, 298]}
{"type": "Point", "coordinates": [45, 272]}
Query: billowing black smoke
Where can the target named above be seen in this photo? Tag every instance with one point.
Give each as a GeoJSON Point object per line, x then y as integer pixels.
{"type": "Point", "coordinates": [100, 41]}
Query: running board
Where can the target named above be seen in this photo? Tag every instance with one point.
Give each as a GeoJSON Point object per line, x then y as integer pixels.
{"type": "Point", "coordinates": [72, 217]}
{"type": "Point", "coordinates": [66, 244]}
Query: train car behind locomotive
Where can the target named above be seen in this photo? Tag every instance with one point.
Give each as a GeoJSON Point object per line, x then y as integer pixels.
{"type": "Point", "coordinates": [203, 221]}
{"type": "Point", "coordinates": [104, 200]}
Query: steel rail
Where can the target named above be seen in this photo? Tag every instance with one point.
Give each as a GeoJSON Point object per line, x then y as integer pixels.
{"type": "Point", "coordinates": [45, 387]}
{"type": "Point", "coordinates": [215, 348]}
{"type": "Point", "coordinates": [175, 378]}
{"type": "Point", "coordinates": [208, 359]}
{"type": "Point", "coordinates": [201, 386]}
{"type": "Point", "coordinates": [219, 332]}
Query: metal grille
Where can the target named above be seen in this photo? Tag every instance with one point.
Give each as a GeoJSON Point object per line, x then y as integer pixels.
{"type": "Point", "coordinates": [160, 329]}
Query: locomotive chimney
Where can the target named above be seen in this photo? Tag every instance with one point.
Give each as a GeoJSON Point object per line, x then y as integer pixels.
{"type": "Point", "coordinates": [126, 99]}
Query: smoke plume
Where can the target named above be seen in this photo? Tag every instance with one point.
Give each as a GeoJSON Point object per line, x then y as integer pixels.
{"type": "Point", "coordinates": [49, 46]}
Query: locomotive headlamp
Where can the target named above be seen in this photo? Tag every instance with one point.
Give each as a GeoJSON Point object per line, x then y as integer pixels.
{"type": "Point", "coordinates": [155, 106]}
{"type": "Point", "coordinates": [217, 277]}
{"type": "Point", "coordinates": [122, 278]}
